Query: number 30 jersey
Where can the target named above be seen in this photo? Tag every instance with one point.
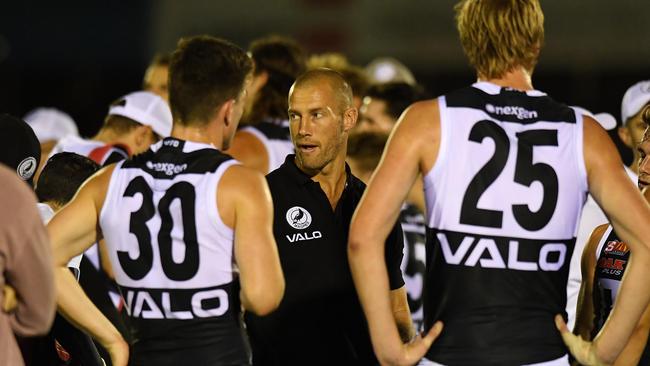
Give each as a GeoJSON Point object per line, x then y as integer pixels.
{"type": "Point", "coordinates": [173, 256]}
{"type": "Point", "coordinates": [503, 202]}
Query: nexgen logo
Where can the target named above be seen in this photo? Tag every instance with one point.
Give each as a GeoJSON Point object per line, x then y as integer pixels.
{"type": "Point", "coordinates": [485, 253]}
{"type": "Point", "coordinates": [519, 112]}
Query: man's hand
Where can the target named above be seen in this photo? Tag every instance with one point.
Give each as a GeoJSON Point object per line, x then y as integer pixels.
{"type": "Point", "coordinates": [583, 351]}
{"type": "Point", "coordinates": [9, 301]}
{"type": "Point", "coordinates": [119, 351]}
{"type": "Point", "coordinates": [411, 353]}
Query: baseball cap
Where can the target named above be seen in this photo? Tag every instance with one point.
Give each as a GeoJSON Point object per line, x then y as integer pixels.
{"type": "Point", "coordinates": [146, 108]}
{"type": "Point", "coordinates": [637, 96]}
{"type": "Point", "coordinates": [51, 124]}
{"type": "Point", "coordinates": [606, 120]}
{"type": "Point", "coordinates": [19, 147]}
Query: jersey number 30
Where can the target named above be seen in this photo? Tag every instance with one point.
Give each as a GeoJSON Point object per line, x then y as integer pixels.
{"type": "Point", "coordinates": [139, 267]}
{"type": "Point", "coordinates": [525, 173]}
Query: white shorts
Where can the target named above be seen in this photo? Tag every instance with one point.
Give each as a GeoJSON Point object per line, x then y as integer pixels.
{"type": "Point", "coordinates": [562, 361]}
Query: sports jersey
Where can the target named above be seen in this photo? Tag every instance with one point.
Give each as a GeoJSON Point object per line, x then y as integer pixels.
{"type": "Point", "coordinates": [276, 138]}
{"type": "Point", "coordinates": [413, 264]}
{"type": "Point", "coordinates": [173, 257]}
{"type": "Point", "coordinates": [503, 201]}
{"type": "Point", "coordinates": [99, 152]}
{"type": "Point", "coordinates": [612, 256]}
{"type": "Point", "coordinates": [319, 320]}
{"type": "Point", "coordinates": [592, 216]}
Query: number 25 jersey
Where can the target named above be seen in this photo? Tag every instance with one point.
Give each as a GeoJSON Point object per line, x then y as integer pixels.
{"type": "Point", "coordinates": [503, 202]}
{"type": "Point", "coordinates": [173, 256]}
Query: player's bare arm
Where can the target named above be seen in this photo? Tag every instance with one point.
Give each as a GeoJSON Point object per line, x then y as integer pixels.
{"type": "Point", "coordinates": [585, 307]}
{"type": "Point", "coordinates": [621, 202]}
{"type": "Point", "coordinates": [248, 209]}
{"type": "Point", "coordinates": [412, 147]}
{"type": "Point", "coordinates": [72, 230]}
{"type": "Point", "coordinates": [249, 150]}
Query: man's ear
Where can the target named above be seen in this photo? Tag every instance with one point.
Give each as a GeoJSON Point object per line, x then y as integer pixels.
{"type": "Point", "coordinates": [624, 135]}
{"type": "Point", "coordinates": [350, 118]}
{"type": "Point", "coordinates": [141, 134]}
{"type": "Point", "coordinates": [225, 112]}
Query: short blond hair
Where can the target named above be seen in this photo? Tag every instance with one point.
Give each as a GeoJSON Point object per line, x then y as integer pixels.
{"type": "Point", "coordinates": [500, 35]}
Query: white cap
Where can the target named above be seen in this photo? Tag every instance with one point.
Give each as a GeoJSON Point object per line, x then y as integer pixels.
{"type": "Point", "coordinates": [50, 124]}
{"type": "Point", "coordinates": [146, 108]}
{"type": "Point", "coordinates": [387, 69]}
{"type": "Point", "coordinates": [637, 96]}
{"type": "Point", "coordinates": [606, 120]}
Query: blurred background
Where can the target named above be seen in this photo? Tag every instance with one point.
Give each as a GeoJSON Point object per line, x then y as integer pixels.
{"type": "Point", "coordinates": [80, 56]}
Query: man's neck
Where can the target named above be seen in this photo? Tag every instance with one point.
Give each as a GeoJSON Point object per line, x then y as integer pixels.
{"type": "Point", "coordinates": [198, 133]}
{"type": "Point", "coordinates": [108, 136]}
{"type": "Point", "coordinates": [331, 178]}
{"type": "Point", "coordinates": [518, 78]}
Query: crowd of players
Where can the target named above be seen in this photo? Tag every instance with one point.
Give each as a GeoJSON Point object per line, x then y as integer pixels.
{"type": "Point", "coordinates": [181, 236]}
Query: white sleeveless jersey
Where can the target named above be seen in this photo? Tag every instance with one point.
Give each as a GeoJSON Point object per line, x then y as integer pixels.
{"type": "Point", "coordinates": [276, 138]}
{"type": "Point", "coordinates": [503, 202]}
{"type": "Point", "coordinates": [172, 255]}
{"type": "Point", "coordinates": [99, 152]}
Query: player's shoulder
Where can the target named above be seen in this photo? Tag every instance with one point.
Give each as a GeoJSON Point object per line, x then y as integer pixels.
{"type": "Point", "coordinates": [422, 109]}
{"type": "Point", "coordinates": [240, 180]}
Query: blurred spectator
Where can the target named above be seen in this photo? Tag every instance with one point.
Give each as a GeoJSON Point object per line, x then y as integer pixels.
{"type": "Point", "coordinates": [157, 75]}
{"type": "Point", "coordinates": [389, 70]}
{"type": "Point", "coordinates": [265, 141]}
{"type": "Point", "coordinates": [50, 125]}
{"type": "Point", "coordinates": [19, 147]}
{"type": "Point", "coordinates": [384, 103]}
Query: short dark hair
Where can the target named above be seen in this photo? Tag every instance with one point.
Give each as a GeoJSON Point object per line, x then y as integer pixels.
{"type": "Point", "coordinates": [366, 148]}
{"type": "Point", "coordinates": [204, 73]}
{"type": "Point", "coordinates": [62, 176]}
{"type": "Point", "coordinates": [397, 96]}
{"type": "Point", "coordinates": [283, 60]}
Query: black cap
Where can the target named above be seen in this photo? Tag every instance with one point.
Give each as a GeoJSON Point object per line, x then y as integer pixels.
{"type": "Point", "coordinates": [19, 147]}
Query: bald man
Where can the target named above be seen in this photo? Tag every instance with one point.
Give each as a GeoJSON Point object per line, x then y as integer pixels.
{"type": "Point", "coordinates": [320, 321]}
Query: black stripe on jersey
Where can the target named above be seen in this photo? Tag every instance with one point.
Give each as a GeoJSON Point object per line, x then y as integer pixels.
{"type": "Point", "coordinates": [178, 322]}
{"type": "Point", "coordinates": [115, 156]}
{"type": "Point", "coordinates": [274, 131]}
{"type": "Point", "coordinates": [496, 296]}
{"type": "Point", "coordinates": [511, 106]}
{"type": "Point", "coordinates": [170, 161]}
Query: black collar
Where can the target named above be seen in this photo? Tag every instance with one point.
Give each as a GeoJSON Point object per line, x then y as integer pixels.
{"type": "Point", "coordinates": [300, 177]}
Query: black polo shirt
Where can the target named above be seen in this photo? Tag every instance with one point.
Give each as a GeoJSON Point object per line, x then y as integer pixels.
{"type": "Point", "coordinates": [320, 320]}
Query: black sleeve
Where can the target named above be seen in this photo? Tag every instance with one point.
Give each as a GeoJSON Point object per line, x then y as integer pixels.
{"type": "Point", "coordinates": [394, 252]}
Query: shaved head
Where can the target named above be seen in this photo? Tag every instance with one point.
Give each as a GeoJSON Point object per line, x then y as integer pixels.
{"type": "Point", "coordinates": [322, 76]}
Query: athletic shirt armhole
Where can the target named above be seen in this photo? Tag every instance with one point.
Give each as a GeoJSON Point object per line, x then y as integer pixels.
{"type": "Point", "coordinates": [109, 192]}
{"type": "Point", "coordinates": [602, 241]}
{"type": "Point", "coordinates": [439, 166]}
{"type": "Point", "coordinates": [213, 211]}
{"type": "Point", "coordinates": [580, 156]}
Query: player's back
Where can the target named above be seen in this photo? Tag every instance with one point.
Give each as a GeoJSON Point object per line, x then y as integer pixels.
{"type": "Point", "coordinates": [173, 257]}
{"type": "Point", "coordinates": [503, 201]}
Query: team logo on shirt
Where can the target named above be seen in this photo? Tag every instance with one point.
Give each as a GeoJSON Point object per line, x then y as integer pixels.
{"type": "Point", "coordinates": [26, 168]}
{"type": "Point", "coordinates": [298, 217]}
